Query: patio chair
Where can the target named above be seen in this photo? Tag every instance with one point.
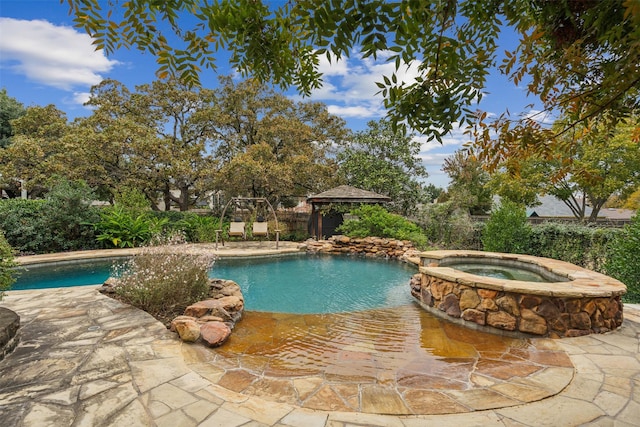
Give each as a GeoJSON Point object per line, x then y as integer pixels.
{"type": "Point", "coordinates": [237, 229]}
{"type": "Point", "coordinates": [260, 229]}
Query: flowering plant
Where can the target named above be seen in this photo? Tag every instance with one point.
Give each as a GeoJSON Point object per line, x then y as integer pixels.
{"type": "Point", "coordinates": [165, 278]}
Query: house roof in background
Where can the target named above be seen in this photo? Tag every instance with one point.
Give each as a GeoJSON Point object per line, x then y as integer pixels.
{"type": "Point", "coordinates": [551, 206]}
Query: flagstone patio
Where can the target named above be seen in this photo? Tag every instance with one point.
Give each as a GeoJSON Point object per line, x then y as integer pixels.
{"type": "Point", "coordinates": [87, 360]}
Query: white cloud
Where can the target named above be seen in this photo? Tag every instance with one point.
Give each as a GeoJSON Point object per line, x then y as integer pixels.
{"type": "Point", "coordinates": [542, 117]}
{"type": "Point", "coordinates": [55, 56]}
{"type": "Point", "coordinates": [81, 97]}
{"type": "Point", "coordinates": [361, 112]}
{"type": "Point", "coordinates": [349, 85]}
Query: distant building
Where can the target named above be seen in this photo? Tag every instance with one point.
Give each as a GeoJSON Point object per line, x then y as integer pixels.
{"type": "Point", "coordinates": [551, 207]}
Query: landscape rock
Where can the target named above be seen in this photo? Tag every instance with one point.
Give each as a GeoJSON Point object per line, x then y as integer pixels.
{"type": "Point", "coordinates": [187, 329]}
{"type": "Point", "coordinates": [367, 246]}
{"type": "Point", "coordinates": [212, 320]}
{"type": "Point", "coordinates": [215, 334]}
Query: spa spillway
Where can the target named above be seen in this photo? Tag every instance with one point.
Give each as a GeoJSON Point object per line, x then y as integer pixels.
{"type": "Point", "coordinates": [547, 298]}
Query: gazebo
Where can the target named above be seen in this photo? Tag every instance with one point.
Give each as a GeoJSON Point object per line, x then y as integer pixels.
{"type": "Point", "coordinates": [325, 219]}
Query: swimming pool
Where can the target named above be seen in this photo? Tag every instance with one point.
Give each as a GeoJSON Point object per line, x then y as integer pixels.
{"type": "Point", "coordinates": [304, 284]}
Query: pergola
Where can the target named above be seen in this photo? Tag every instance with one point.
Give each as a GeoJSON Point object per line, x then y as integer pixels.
{"type": "Point", "coordinates": [325, 220]}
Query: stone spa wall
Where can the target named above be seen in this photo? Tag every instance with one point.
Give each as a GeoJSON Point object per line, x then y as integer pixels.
{"type": "Point", "coordinates": [586, 302]}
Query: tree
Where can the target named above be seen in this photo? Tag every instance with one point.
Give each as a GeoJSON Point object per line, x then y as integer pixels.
{"type": "Point", "coordinates": [599, 164]}
{"type": "Point", "coordinates": [519, 181]}
{"type": "Point", "coordinates": [271, 146]}
{"type": "Point", "coordinates": [10, 109]}
{"type": "Point", "coordinates": [469, 183]}
{"type": "Point", "coordinates": [633, 201]}
{"type": "Point", "coordinates": [154, 139]}
{"type": "Point", "coordinates": [579, 57]}
{"type": "Point", "coordinates": [179, 116]}
{"type": "Point", "coordinates": [603, 164]}
{"type": "Point", "coordinates": [385, 161]}
{"type": "Point", "coordinates": [36, 154]}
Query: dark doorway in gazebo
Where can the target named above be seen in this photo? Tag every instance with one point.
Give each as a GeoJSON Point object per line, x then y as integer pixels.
{"type": "Point", "coordinates": [325, 217]}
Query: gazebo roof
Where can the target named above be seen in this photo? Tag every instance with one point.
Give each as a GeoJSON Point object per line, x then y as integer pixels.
{"type": "Point", "coordinates": [348, 194]}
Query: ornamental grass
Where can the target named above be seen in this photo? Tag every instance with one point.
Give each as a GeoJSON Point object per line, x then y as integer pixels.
{"type": "Point", "coordinates": [163, 279]}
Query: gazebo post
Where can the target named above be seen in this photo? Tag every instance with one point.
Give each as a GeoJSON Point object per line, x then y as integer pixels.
{"type": "Point", "coordinates": [319, 226]}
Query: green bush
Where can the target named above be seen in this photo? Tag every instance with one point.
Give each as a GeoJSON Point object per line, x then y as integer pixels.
{"type": "Point", "coordinates": [624, 259]}
{"type": "Point", "coordinates": [198, 228]}
{"type": "Point", "coordinates": [449, 227]}
{"type": "Point", "coordinates": [121, 228]}
{"type": "Point", "coordinates": [61, 222]}
{"type": "Point", "coordinates": [7, 264]}
{"type": "Point", "coordinates": [24, 225]}
{"type": "Point", "coordinates": [507, 229]}
{"type": "Point", "coordinates": [70, 216]}
{"type": "Point", "coordinates": [133, 200]}
{"type": "Point", "coordinates": [163, 280]}
{"type": "Point", "coordinates": [374, 220]}
{"type": "Point", "coordinates": [575, 243]}
{"type": "Point", "coordinates": [294, 236]}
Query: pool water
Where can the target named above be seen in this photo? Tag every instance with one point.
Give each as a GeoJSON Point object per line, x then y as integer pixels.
{"type": "Point", "coordinates": [300, 284]}
{"type": "Point", "coordinates": [499, 272]}
{"type": "Point", "coordinates": [64, 274]}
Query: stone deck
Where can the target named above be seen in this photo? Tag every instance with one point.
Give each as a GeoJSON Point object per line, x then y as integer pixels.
{"type": "Point", "coordinates": [87, 360]}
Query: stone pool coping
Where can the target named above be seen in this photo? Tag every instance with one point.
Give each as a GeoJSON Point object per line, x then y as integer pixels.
{"type": "Point", "coordinates": [230, 250]}
{"type": "Point", "coordinates": [579, 283]}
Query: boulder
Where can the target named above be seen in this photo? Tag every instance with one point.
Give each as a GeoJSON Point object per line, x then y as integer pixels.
{"type": "Point", "coordinates": [215, 333]}
{"type": "Point", "coordinates": [450, 305]}
{"type": "Point", "coordinates": [475, 316]}
{"type": "Point", "coordinates": [109, 286]}
{"type": "Point", "coordinates": [187, 329]}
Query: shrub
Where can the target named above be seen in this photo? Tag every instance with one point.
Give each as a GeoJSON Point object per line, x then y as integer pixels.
{"type": "Point", "coordinates": [449, 227]}
{"type": "Point", "coordinates": [575, 243]}
{"type": "Point", "coordinates": [61, 222]}
{"type": "Point", "coordinates": [507, 229]}
{"type": "Point", "coordinates": [198, 228]}
{"type": "Point", "coordinates": [624, 261]}
{"type": "Point", "coordinates": [374, 220]}
{"type": "Point", "coordinates": [24, 225]}
{"type": "Point", "coordinates": [133, 200]}
{"type": "Point", "coordinates": [70, 216]}
{"type": "Point", "coordinates": [7, 264]}
{"type": "Point", "coordinates": [122, 228]}
{"type": "Point", "coordinates": [163, 280]}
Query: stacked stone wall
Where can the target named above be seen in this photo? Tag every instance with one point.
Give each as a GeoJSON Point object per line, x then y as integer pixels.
{"type": "Point", "coordinates": [515, 312]}
{"type": "Point", "coordinates": [367, 246]}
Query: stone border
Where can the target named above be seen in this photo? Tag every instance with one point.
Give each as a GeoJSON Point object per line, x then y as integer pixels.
{"type": "Point", "coordinates": [579, 301]}
{"type": "Point", "coordinates": [374, 247]}
{"type": "Point", "coordinates": [9, 331]}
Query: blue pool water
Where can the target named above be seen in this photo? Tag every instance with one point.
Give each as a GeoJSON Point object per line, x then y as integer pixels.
{"type": "Point", "coordinates": [300, 284]}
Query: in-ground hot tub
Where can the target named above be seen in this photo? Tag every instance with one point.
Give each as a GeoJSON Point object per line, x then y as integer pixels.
{"type": "Point", "coordinates": [551, 298]}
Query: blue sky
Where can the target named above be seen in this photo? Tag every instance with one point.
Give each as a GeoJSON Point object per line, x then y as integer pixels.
{"type": "Point", "coordinates": [44, 60]}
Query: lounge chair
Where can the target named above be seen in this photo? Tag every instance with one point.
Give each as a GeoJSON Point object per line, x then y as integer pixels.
{"type": "Point", "coordinates": [237, 229]}
{"type": "Point", "coordinates": [260, 229]}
